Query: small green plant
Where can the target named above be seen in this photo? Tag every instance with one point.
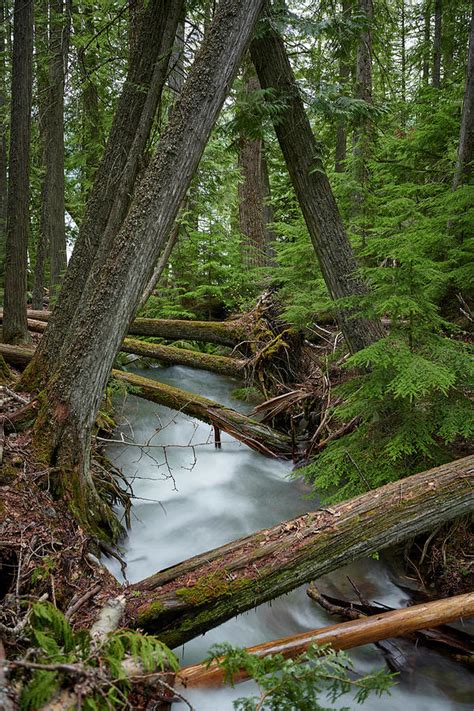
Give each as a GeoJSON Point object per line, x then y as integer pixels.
{"type": "Point", "coordinates": [70, 659]}
{"type": "Point", "coordinates": [310, 681]}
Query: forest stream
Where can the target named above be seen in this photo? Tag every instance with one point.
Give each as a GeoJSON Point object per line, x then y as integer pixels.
{"type": "Point", "coordinates": [192, 497]}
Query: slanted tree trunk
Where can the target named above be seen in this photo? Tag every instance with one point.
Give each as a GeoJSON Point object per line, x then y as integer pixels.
{"type": "Point", "coordinates": [253, 190]}
{"type": "Point", "coordinates": [71, 399]}
{"type": "Point", "coordinates": [346, 635]}
{"type": "Point", "coordinates": [14, 322]}
{"type": "Point", "coordinates": [438, 14]}
{"type": "Point", "coordinates": [115, 177]}
{"type": "Point", "coordinates": [312, 187]}
{"type": "Point", "coordinates": [465, 159]}
{"type": "Point", "coordinates": [194, 596]}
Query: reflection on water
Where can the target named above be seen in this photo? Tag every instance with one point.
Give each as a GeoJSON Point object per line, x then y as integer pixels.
{"type": "Point", "coordinates": [192, 497]}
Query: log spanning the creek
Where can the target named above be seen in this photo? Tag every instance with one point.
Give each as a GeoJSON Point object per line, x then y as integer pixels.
{"type": "Point", "coordinates": [194, 596]}
{"type": "Point", "coordinates": [224, 333]}
{"type": "Point", "coordinates": [346, 635]}
{"type": "Point", "coordinates": [223, 365]}
{"type": "Point", "coordinates": [247, 430]}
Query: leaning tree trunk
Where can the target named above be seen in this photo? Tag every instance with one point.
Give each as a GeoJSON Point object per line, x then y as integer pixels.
{"type": "Point", "coordinates": [465, 158]}
{"type": "Point", "coordinates": [312, 187]}
{"type": "Point", "coordinates": [72, 397]}
{"type": "Point", "coordinates": [14, 323]}
{"type": "Point", "coordinates": [115, 177]}
{"type": "Point", "coordinates": [194, 596]}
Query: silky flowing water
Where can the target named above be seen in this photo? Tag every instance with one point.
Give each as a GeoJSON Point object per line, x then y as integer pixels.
{"type": "Point", "coordinates": [192, 497]}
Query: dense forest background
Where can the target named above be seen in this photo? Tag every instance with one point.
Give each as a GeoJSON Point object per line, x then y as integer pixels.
{"type": "Point", "coordinates": [383, 85]}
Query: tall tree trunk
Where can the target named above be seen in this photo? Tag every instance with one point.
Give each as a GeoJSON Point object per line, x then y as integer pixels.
{"type": "Point", "coordinates": [59, 18]}
{"type": "Point", "coordinates": [312, 187]}
{"type": "Point", "coordinates": [426, 41]}
{"type": "Point", "coordinates": [438, 12]}
{"type": "Point", "coordinates": [363, 135]}
{"type": "Point", "coordinates": [252, 190]}
{"type": "Point", "coordinates": [344, 76]}
{"type": "Point", "coordinates": [116, 175]}
{"type": "Point", "coordinates": [41, 39]}
{"type": "Point", "coordinates": [3, 136]}
{"type": "Point", "coordinates": [14, 321]}
{"type": "Point", "coordinates": [72, 397]}
{"type": "Point", "coordinates": [91, 117]}
{"type": "Point", "coordinates": [465, 158]}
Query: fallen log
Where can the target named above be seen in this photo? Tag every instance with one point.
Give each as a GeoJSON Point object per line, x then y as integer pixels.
{"type": "Point", "coordinates": [224, 333]}
{"type": "Point", "coordinates": [443, 638]}
{"type": "Point", "coordinates": [346, 635]}
{"type": "Point", "coordinates": [194, 596]}
{"type": "Point", "coordinates": [183, 356]}
{"type": "Point", "coordinates": [253, 433]}
{"type": "Point", "coordinates": [169, 354]}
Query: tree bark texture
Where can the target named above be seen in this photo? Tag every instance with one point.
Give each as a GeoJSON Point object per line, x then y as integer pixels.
{"type": "Point", "coordinates": [202, 592]}
{"type": "Point", "coordinates": [115, 177]}
{"type": "Point", "coordinates": [345, 635]}
{"type": "Point", "coordinates": [14, 324]}
{"type": "Point", "coordinates": [73, 395]}
{"type": "Point", "coordinates": [465, 158]}
{"type": "Point", "coordinates": [253, 191]}
{"type": "Point", "coordinates": [312, 187]}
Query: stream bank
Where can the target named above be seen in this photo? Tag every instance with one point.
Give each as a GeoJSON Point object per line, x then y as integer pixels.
{"type": "Point", "coordinates": [193, 497]}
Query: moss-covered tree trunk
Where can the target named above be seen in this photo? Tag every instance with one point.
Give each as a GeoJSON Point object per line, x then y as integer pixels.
{"type": "Point", "coordinates": [72, 397]}
{"type": "Point", "coordinates": [464, 164]}
{"type": "Point", "coordinates": [194, 596]}
{"type": "Point", "coordinates": [311, 184]}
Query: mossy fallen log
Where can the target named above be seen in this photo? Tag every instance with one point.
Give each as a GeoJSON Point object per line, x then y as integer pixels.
{"type": "Point", "coordinates": [183, 356]}
{"type": "Point", "coordinates": [251, 432]}
{"type": "Point", "coordinates": [224, 333]}
{"type": "Point", "coordinates": [346, 635]}
{"type": "Point", "coordinates": [194, 596]}
{"type": "Point", "coordinates": [222, 365]}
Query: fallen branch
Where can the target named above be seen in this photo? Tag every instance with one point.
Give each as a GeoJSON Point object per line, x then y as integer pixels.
{"type": "Point", "coordinates": [346, 635]}
{"type": "Point", "coordinates": [251, 432]}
